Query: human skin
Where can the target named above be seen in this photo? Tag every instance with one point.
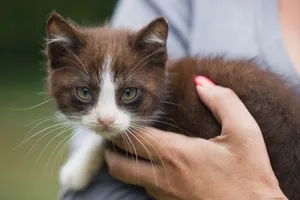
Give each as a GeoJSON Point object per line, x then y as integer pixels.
{"type": "Point", "coordinates": [234, 165]}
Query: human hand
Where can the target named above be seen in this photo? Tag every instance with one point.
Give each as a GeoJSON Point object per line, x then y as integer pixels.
{"type": "Point", "coordinates": [234, 165]}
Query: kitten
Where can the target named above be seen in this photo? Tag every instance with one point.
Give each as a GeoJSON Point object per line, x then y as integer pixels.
{"type": "Point", "coordinates": [107, 82]}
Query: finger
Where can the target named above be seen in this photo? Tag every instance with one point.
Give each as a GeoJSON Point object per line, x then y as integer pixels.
{"type": "Point", "coordinates": [226, 106]}
{"type": "Point", "coordinates": [150, 143]}
{"type": "Point", "coordinates": [157, 194]}
{"type": "Point", "coordinates": [131, 171]}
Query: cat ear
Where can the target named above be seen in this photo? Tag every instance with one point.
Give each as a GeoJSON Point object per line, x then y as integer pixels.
{"type": "Point", "coordinates": [152, 40]}
{"type": "Point", "coordinates": [62, 39]}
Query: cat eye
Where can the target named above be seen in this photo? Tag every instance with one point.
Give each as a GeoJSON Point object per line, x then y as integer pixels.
{"type": "Point", "coordinates": [83, 93]}
{"type": "Point", "coordinates": [129, 94]}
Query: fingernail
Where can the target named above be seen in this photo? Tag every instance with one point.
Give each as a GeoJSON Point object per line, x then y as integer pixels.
{"type": "Point", "coordinates": [203, 81]}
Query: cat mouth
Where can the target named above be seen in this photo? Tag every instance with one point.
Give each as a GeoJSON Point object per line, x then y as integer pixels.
{"type": "Point", "coordinates": [106, 131]}
{"type": "Point", "coordinates": [105, 128]}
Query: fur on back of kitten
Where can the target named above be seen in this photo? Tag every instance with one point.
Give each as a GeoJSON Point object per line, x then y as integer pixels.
{"type": "Point", "coordinates": [79, 56]}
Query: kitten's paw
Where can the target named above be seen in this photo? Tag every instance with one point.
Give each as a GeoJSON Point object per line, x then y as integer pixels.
{"type": "Point", "coordinates": [75, 177]}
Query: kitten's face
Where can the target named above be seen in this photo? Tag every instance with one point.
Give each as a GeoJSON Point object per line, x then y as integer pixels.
{"type": "Point", "coordinates": [107, 80]}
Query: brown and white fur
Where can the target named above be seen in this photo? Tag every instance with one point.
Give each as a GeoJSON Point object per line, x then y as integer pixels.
{"type": "Point", "coordinates": [107, 61]}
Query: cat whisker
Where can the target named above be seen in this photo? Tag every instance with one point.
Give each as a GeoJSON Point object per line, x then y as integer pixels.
{"type": "Point", "coordinates": [140, 63]}
{"type": "Point", "coordinates": [139, 67]}
{"type": "Point", "coordinates": [135, 154]}
{"type": "Point", "coordinates": [132, 144]}
{"type": "Point", "coordinates": [71, 69]}
{"type": "Point", "coordinates": [46, 117]}
{"type": "Point", "coordinates": [166, 143]}
{"type": "Point", "coordinates": [35, 106]}
{"type": "Point", "coordinates": [74, 117]}
{"type": "Point", "coordinates": [67, 129]}
{"type": "Point", "coordinates": [42, 93]}
{"type": "Point", "coordinates": [148, 153]}
{"type": "Point", "coordinates": [39, 132]}
{"type": "Point", "coordinates": [61, 145]}
{"type": "Point", "coordinates": [62, 150]}
{"type": "Point", "coordinates": [175, 104]}
{"type": "Point", "coordinates": [128, 142]}
{"type": "Point", "coordinates": [35, 126]}
{"type": "Point", "coordinates": [155, 117]}
{"type": "Point", "coordinates": [67, 140]}
{"type": "Point", "coordinates": [61, 142]}
{"type": "Point", "coordinates": [157, 77]}
{"type": "Point", "coordinates": [142, 128]}
{"type": "Point", "coordinates": [159, 121]}
{"type": "Point", "coordinates": [122, 133]}
{"type": "Point", "coordinates": [44, 135]}
{"type": "Point", "coordinates": [146, 121]}
{"type": "Point", "coordinates": [87, 73]}
{"type": "Point", "coordinates": [160, 158]}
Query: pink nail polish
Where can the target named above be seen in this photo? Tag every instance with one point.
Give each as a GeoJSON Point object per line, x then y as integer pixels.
{"type": "Point", "coordinates": [203, 81]}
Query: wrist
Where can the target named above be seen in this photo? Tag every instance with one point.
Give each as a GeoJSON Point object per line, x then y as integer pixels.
{"type": "Point", "coordinates": [271, 194]}
{"type": "Point", "coordinates": [262, 191]}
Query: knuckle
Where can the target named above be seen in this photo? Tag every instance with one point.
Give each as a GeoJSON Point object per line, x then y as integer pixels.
{"type": "Point", "coordinates": [247, 126]}
{"type": "Point", "coordinates": [167, 187]}
{"type": "Point", "coordinates": [177, 160]}
{"type": "Point", "coordinates": [169, 151]}
{"type": "Point", "coordinates": [227, 93]}
{"type": "Point", "coordinates": [223, 96]}
{"type": "Point", "coordinates": [162, 185]}
{"type": "Point", "coordinates": [243, 128]}
{"type": "Point", "coordinates": [226, 99]}
{"type": "Point", "coordinates": [169, 156]}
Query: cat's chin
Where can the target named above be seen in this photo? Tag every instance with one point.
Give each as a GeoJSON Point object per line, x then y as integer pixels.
{"type": "Point", "coordinates": [107, 133]}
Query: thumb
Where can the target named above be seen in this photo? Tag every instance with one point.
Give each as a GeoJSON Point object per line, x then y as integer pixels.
{"type": "Point", "coordinates": [226, 106]}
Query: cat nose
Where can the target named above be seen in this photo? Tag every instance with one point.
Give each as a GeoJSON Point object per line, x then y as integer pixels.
{"type": "Point", "coordinates": [107, 120]}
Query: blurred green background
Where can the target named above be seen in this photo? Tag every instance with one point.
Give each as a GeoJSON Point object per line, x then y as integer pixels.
{"type": "Point", "coordinates": [22, 85]}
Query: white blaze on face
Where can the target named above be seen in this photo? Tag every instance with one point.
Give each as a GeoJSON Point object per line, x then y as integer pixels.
{"type": "Point", "coordinates": [106, 103]}
{"type": "Point", "coordinates": [106, 108]}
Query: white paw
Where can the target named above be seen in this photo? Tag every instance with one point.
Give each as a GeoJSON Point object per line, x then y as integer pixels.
{"type": "Point", "coordinates": [75, 177]}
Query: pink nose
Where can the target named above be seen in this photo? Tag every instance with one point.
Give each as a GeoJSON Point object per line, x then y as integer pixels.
{"type": "Point", "coordinates": [106, 121]}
